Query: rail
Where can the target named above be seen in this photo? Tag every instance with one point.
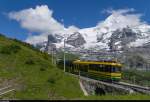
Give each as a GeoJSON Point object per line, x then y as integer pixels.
{"type": "Point", "coordinates": [120, 85]}
{"type": "Point", "coordinates": [137, 88]}
{"type": "Point", "coordinates": [6, 89]}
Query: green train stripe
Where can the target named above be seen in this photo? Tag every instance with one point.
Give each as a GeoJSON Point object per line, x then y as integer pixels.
{"type": "Point", "coordinates": [99, 78]}
{"type": "Point", "coordinates": [99, 74]}
{"type": "Point", "coordinates": [87, 74]}
{"type": "Point", "coordinates": [106, 73]}
{"type": "Point", "coordinates": [104, 78]}
{"type": "Point", "coordinates": [93, 74]}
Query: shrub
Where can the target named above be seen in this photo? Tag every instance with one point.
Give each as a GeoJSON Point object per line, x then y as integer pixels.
{"type": "Point", "coordinates": [54, 77]}
{"type": "Point", "coordinates": [26, 44]}
{"type": "Point", "coordinates": [29, 61]}
{"type": "Point", "coordinates": [45, 55]}
{"type": "Point", "coordinates": [10, 49]}
{"type": "Point", "coordinates": [5, 50]}
{"type": "Point", "coordinates": [42, 69]}
{"type": "Point", "coordinates": [51, 80]}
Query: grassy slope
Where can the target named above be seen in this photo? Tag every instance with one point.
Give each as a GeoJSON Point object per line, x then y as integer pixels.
{"type": "Point", "coordinates": [137, 77]}
{"type": "Point", "coordinates": [35, 83]}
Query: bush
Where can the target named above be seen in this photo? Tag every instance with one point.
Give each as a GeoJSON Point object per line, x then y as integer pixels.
{"type": "Point", "coordinates": [51, 80]}
{"type": "Point", "coordinates": [45, 55]}
{"type": "Point", "coordinates": [42, 69]}
{"type": "Point", "coordinates": [29, 61]}
{"type": "Point", "coordinates": [26, 44]}
{"type": "Point", "coordinates": [54, 77]}
{"type": "Point", "coordinates": [9, 49]}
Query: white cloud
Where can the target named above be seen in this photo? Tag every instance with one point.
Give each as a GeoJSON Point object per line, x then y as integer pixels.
{"type": "Point", "coordinates": [121, 18]}
{"type": "Point", "coordinates": [119, 11]}
{"type": "Point", "coordinates": [36, 39]}
{"type": "Point", "coordinates": [39, 20]}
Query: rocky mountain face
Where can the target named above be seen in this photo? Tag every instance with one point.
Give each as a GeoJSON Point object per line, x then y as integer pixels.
{"type": "Point", "coordinates": [51, 47]}
{"type": "Point", "coordinates": [76, 40]}
{"type": "Point", "coordinates": [121, 38]}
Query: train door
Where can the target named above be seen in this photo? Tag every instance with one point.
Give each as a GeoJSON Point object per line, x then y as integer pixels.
{"type": "Point", "coordinates": [84, 69]}
{"type": "Point", "coordinates": [76, 68]}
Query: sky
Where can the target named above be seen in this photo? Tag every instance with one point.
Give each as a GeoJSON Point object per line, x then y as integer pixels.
{"type": "Point", "coordinates": [22, 19]}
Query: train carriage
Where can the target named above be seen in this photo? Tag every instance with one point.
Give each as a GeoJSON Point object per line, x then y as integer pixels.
{"type": "Point", "coordinates": [99, 70]}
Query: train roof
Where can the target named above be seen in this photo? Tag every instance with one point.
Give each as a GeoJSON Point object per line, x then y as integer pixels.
{"type": "Point", "coordinates": [113, 63]}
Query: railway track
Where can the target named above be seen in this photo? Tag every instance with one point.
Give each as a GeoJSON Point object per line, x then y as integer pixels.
{"type": "Point", "coordinates": [131, 88]}
{"type": "Point", "coordinates": [137, 88]}
{"type": "Point", "coordinates": [6, 89]}
{"type": "Point", "coordinates": [117, 86]}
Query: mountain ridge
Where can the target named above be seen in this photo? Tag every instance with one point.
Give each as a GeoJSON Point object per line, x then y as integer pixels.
{"type": "Point", "coordinates": [99, 37]}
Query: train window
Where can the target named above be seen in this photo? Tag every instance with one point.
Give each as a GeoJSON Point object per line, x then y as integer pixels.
{"type": "Point", "coordinates": [100, 65]}
{"type": "Point", "coordinates": [86, 68]}
{"type": "Point", "coordinates": [116, 69]}
{"type": "Point", "coordinates": [97, 67]}
{"type": "Point", "coordinates": [113, 69]}
{"type": "Point", "coordinates": [120, 69]}
{"type": "Point", "coordinates": [103, 68]}
{"type": "Point", "coordinates": [76, 66]}
{"type": "Point", "coordinates": [83, 67]}
{"type": "Point", "coordinates": [107, 68]}
{"type": "Point", "coordinates": [110, 68]}
{"type": "Point", "coordinates": [90, 67]}
{"type": "Point", "coordinates": [93, 67]}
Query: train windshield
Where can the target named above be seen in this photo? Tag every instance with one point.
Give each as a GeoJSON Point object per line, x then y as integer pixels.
{"type": "Point", "coordinates": [116, 69]}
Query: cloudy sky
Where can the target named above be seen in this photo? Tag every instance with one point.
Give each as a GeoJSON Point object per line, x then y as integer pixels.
{"type": "Point", "coordinates": [33, 19]}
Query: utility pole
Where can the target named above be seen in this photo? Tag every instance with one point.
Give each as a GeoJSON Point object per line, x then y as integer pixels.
{"type": "Point", "coordinates": [134, 79]}
{"type": "Point", "coordinates": [79, 74]}
{"type": "Point", "coordinates": [55, 57]}
{"type": "Point", "coordinates": [64, 57]}
{"type": "Point", "coordinates": [52, 56]}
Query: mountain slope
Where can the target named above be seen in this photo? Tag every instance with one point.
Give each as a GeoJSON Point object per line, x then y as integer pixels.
{"type": "Point", "coordinates": [32, 71]}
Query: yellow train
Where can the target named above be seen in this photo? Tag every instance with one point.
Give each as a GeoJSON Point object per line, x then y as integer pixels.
{"type": "Point", "coordinates": [99, 70]}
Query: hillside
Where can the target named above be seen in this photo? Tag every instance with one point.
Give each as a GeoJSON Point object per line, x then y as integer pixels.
{"type": "Point", "coordinates": [32, 71]}
{"type": "Point", "coordinates": [36, 78]}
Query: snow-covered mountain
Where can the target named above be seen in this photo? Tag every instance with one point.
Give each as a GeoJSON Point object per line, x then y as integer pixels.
{"type": "Point", "coordinates": [116, 32]}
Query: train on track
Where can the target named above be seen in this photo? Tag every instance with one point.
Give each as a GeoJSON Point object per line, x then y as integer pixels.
{"type": "Point", "coordinates": [99, 70]}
